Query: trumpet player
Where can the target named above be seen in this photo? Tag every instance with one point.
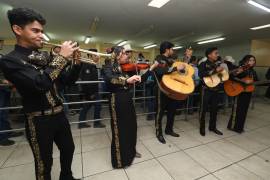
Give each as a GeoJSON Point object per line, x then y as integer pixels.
{"type": "Point", "coordinates": [36, 76]}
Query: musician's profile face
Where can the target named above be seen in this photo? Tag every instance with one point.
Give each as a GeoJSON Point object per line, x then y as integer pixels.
{"type": "Point", "coordinates": [189, 52]}
{"type": "Point", "coordinates": [171, 52]}
{"type": "Point", "coordinates": [123, 57]}
{"type": "Point", "coordinates": [213, 55]}
{"type": "Point", "coordinates": [252, 61]}
{"type": "Point", "coordinates": [30, 34]}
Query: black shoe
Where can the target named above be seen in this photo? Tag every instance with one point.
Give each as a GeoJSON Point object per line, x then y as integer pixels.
{"type": "Point", "coordinates": [68, 178]}
{"type": "Point", "coordinates": [83, 125]}
{"type": "Point", "coordinates": [161, 139]}
{"type": "Point", "coordinates": [15, 134]}
{"type": "Point", "coordinates": [238, 131]}
{"type": "Point", "coordinates": [7, 142]}
{"type": "Point", "coordinates": [99, 125]}
{"type": "Point", "coordinates": [216, 131]}
{"type": "Point", "coordinates": [202, 131]}
{"type": "Point", "coordinates": [173, 134]}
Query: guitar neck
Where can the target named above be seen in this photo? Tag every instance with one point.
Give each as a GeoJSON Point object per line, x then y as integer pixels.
{"type": "Point", "coordinates": [261, 82]}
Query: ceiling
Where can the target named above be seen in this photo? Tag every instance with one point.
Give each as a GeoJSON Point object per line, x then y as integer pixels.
{"type": "Point", "coordinates": [183, 22]}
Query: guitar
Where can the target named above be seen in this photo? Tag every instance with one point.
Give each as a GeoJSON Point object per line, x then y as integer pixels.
{"type": "Point", "coordinates": [178, 85]}
{"type": "Point", "coordinates": [234, 88]}
{"type": "Point", "coordinates": [217, 78]}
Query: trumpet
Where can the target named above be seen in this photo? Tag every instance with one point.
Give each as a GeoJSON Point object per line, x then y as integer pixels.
{"type": "Point", "coordinates": [80, 50]}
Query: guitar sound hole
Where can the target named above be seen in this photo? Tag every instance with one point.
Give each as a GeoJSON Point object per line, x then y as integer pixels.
{"type": "Point", "coordinates": [178, 80]}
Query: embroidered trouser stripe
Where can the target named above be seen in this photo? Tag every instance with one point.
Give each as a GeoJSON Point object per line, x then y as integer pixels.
{"type": "Point", "coordinates": [157, 123]}
{"type": "Point", "coordinates": [116, 132]}
{"type": "Point", "coordinates": [35, 149]}
{"type": "Point", "coordinates": [234, 111]}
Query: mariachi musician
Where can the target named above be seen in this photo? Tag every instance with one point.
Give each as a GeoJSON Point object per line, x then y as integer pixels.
{"type": "Point", "coordinates": [35, 76]}
{"type": "Point", "coordinates": [164, 66]}
{"type": "Point", "coordinates": [242, 101]}
{"type": "Point", "coordinates": [209, 95]}
{"type": "Point", "coordinates": [119, 79]}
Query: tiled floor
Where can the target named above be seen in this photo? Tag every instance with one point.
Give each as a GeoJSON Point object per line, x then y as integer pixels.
{"type": "Point", "coordinates": [190, 157]}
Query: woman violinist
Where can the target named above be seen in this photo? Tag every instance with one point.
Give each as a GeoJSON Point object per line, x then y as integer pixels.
{"type": "Point", "coordinates": [122, 110]}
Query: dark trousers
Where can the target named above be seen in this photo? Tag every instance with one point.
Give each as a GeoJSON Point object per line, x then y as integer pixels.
{"type": "Point", "coordinates": [210, 99]}
{"type": "Point", "coordinates": [243, 101]}
{"type": "Point", "coordinates": [165, 103]}
{"type": "Point", "coordinates": [193, 100]}
{"type": "Point", "coordinates": [41, 132]}
{"type": "Point", "coordinates": [86, 107]}
{"type": "Point", "coordinates": [150, 102]}
{"type": "Point", "coordinates": [4, 123]}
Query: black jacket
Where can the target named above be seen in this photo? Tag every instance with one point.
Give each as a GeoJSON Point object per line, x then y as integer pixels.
{"type": "Point", "coordinates": [248, 73]}
{"type": "Point", "coordinates": [3, 88]}
{"type": "Point", "coordinates": [89, 72]}
{"type": "Point", "coordinates": [165, 66]}
{"type": "Point", "coordinates": [37, 85]}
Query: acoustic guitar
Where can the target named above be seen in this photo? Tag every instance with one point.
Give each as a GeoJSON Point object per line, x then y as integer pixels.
{"type": "Point", "coordinates": [234, 88]}
{"type": "Point", "coordinates": [178, 85]}
{"type": "Point", "coordinates": [223, 76]}
{"type": "Point", "coordinates": [216, 79]}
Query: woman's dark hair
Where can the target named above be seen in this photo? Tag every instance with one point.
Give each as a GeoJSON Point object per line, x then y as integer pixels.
{"type": "Point", "coordinates": [116, 51]}
{"type": "Point", "coordinates": [246, 58]}
{"type": "Point", "coordinates": [24, 16]}
{"type": "Point", "coordinates": [165, 45]}
{"type": "Point", "coordinates": [210, 50]}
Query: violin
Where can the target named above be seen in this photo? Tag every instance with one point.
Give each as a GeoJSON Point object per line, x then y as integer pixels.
{"type": "Point", "coordinates": [129, 67]}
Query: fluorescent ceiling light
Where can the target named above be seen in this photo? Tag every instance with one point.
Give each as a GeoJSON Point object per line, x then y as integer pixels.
{"type": "Point", "coordinates": [177, 47]}
{"type": "Point", "coordinates": [158, 3]}
{"type": "Point", "coordinates": [46, 37]}
{"type": "Point", "coordinates": [87, 40]}
{"type": "Point", "coordinates": [150, 46]}
{"type": "Point", "coordinates": [211, 40]}
{"type": "Point", "coordinates": [253, 3]}
{"type": "Point", "coordinates": [122, 43]}
{"type": "Point", "coordinates": [260, 27]}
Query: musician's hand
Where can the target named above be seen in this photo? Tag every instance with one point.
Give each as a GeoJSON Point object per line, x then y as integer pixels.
{"type": "Point", "coordinates": [68, 48]}
{"type": "Point", "coordinates": [181, 67]}
{"type": "Point", "coordinates": [248, 81]}
{"type": "Point", "coordinates": [219, 69]}
{"type": "Point", "coordinates": [5, 81]}
{"type": "Point", "coordinates": [134, 79]}
{"type": "Point", "coordinates": [153, 66]}
{"type": "Point", "coordinates": [239, 71]}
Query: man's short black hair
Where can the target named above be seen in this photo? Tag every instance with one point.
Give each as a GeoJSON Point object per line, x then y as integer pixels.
{"type": "Point", "coordinates": [24, 16]}
{"type": "Point", "coordinates": [210, 50]}
{"type": "Point", "coordinates": [165, 45]}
